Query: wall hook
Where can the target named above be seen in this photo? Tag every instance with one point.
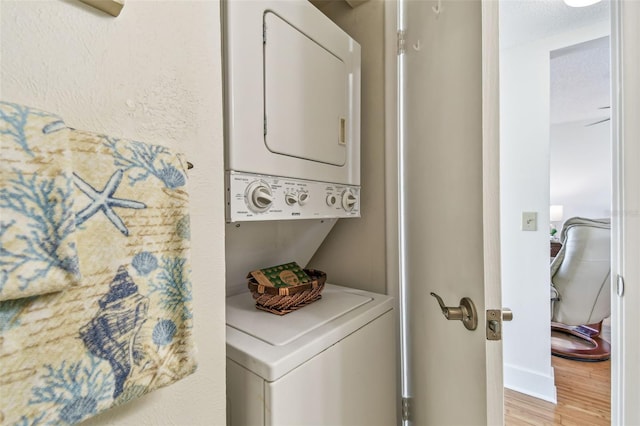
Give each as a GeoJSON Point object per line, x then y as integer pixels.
{"type": "Point", "coordinates": [437, 9]}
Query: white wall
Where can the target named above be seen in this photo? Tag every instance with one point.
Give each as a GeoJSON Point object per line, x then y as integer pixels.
{"type": "Point", "coordinates": [354, 252]}
{"type": "Point", "coordinates": [580, 169]}
{"type": "Point", "coordinates": [152, 74]}
{"type": "Point", "coordinates": [524, 116]}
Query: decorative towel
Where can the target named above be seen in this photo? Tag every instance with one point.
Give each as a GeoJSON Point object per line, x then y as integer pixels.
{"type": "Point", "coordinates": [125, 330]}
{"type": "Point", "coordinates": [37, 238]}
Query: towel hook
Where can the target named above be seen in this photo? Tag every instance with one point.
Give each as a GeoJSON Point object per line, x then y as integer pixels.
{"type": "Point", "coordinates": [112, 7]}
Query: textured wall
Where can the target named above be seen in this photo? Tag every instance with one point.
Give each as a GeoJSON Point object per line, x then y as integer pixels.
{"type": "Point", "coordinates": [152, 74]}
{"type": "Point", "coordinates": [354, 252]}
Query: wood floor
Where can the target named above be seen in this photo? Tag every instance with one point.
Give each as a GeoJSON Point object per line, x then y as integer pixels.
{"type": "Point", "coordinates": [583, 391]}
{"type": "Point", "coordinates": [583, 397]}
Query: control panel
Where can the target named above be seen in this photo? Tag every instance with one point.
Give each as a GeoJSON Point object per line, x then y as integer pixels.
{"type": "Point", "coordinates": [253, 197]}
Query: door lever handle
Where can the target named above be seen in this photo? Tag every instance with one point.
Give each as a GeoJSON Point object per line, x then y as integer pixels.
{"type": "Point", "coordinates": [466, 312]}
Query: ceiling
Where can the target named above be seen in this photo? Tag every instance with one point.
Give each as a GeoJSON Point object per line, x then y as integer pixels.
{"type": "Point", "coordinates": [580, 74]}
{"type": "Point", "coordinates": [522, 21]}
{"type": "Point", "coordinates": [580, 79]}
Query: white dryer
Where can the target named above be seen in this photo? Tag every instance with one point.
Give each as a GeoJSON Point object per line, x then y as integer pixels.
{"type": "Point", "coordinates": [292, 113]}
{"type": "Point", "coordinates": [331, 363]}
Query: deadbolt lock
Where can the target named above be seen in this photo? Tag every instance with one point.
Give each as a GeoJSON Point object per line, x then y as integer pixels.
{"type": "Point", "coordinates": [466, 312]}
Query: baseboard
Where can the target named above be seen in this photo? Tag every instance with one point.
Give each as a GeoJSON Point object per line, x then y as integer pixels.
{"type": "Point", "coordinates": [530, 382]}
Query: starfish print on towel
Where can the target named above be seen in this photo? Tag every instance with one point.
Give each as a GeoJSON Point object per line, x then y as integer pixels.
{"type": "Point", "coordinates": [104, 200]}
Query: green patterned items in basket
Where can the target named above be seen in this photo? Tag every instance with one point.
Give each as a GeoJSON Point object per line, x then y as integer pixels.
{"type": "Point", "coordinates": [282, 300]}
{"type": "Point", "coordinates": [287, 275]}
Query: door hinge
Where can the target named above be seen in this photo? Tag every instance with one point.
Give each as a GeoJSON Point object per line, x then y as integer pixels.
{"type": "Point", "coordinates": [406, 409]}
{"type": "Point", "coordinates": [402, 42]}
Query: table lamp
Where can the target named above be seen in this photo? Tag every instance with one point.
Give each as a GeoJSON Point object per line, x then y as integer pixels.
{"type": "Point", "coordinates": [555, 215]}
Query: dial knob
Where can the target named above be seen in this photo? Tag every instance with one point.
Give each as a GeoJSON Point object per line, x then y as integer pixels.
{"type": "Point", "coordinates": [348, 200]}
{"type": "Point", "coordinates": [259, 197]}
{"type": "Point", "coordinates": [290, 199]}
{"type": "Point", "coordinates": [303, 198]}
{"type": "Point", "coordinates": [331, 200]}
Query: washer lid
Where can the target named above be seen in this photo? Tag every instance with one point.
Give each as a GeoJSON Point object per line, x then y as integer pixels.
{"type": "Point", "coordinates": [271, 345]}
{"type": "Point", "coordinates": [283, 330]}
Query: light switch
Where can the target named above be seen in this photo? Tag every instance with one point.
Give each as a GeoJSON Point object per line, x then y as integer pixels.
{"type": "Point", "coordinates": [529, 221]}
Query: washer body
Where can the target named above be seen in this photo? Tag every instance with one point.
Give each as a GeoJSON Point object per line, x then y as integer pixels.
{"type": "Point", "coordinates": [329, 363]}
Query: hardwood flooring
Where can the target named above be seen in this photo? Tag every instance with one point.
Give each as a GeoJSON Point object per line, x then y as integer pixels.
{"type": "Point", "coordinates": [584, 394]}
{"type": "Point", "coordinates": [583, 391]}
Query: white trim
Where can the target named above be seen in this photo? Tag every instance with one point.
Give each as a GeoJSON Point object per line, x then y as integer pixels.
{"type": "Point", "coordinates": [491, 201]}
{"type": "Point", "coordinates": [625, 368]}
{"type": "Point", "coordinates": [616, 225]}
{"type": "Point", "coordinates": [531, 382]}
{"type": "Point", "coordinates": [398, 17]}
{"type": "Point", "coordinates": [392, 194]}
{"type": "Point", "coordinates": [403, 288]}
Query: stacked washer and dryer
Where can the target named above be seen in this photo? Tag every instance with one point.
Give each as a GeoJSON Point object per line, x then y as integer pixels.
{"type": "Point", "coordinates": [292, 141]}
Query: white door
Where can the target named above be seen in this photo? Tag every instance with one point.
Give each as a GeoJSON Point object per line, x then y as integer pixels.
{"type": "Point", "coordinates": [449, 209]}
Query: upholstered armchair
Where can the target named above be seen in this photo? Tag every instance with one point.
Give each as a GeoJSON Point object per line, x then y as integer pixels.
{"type": "Point", "coordinates": [580, 290]}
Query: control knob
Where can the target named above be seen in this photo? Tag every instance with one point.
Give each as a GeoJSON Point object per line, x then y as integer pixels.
{"type": "Point", "coordinates": [303, 198]}
{"type": "Point", "coordinates": [290, 198]}
{"type": "Point", "coordinates": [259, 197]}
{"type": "Point", "coordinates": [348, 200]}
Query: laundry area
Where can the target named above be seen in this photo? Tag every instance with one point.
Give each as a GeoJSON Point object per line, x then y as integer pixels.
{"type": "Point", "coordinates": [292, 152]}
{"type": "Point", "coordinates": [320, 187]}
{"type": "Point", "coordinates": [343, 157]}
{"type": "Point", "coordinates": [171, 91]}
{"type": "Point", "coordinates": [354, 143]}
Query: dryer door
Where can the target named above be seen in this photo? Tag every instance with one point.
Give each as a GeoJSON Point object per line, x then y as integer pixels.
{"type": "Point", "coordinates": [305, 95]}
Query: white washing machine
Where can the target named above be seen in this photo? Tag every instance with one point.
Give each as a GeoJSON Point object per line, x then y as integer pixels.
{"type": "Point", "coordinates": [331, 363]}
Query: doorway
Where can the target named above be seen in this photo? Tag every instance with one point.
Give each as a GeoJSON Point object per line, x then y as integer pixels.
{"type": "Point", "coordinates": [545, 377]}
{"type": "Point", "coordinates": [529, 38]}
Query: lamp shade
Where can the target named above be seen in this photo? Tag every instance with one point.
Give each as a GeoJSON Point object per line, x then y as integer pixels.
{"type": "Point", "coordinates": [555, 213]}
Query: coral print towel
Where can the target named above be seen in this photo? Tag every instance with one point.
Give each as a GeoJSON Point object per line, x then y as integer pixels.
{"type": "Point", "coordinates": [124, 328]}
{"type": "Point", "coordinates": [37, 238]}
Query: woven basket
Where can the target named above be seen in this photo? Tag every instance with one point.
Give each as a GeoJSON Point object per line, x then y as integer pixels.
{"type": "Point", "coordinates": [283, 300]}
